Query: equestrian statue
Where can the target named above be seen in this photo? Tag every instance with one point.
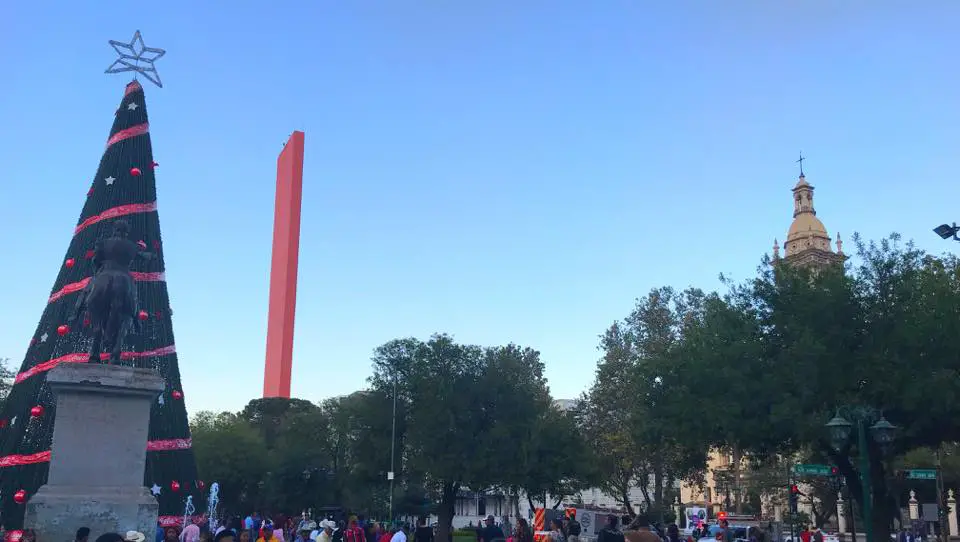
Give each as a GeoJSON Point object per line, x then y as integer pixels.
{"type": "Point", "coordinates": [109, 301]}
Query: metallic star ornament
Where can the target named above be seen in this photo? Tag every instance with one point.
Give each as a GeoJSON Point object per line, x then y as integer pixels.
{"type": "Point", "coordinates": [132, 55]}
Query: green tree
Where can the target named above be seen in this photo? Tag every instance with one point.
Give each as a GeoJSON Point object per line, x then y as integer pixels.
{"type": "Point", "coordinates": [467, 413]}
{"type": "Point", "coordinates": [793, 344]}
{"type": "Point", "coordinates": [267, 415]}
{"type": "Point", "coordinates": [637, 430]}
{"type": "Point", "coordinates": [557, 461]}
{"type": "Point", "coordinates": [6, 378]}
{"type": "Point", "coordinates": [357, 448]}
{"type": "Point", "coordinates": [232, 452]}
{"type": "Point", "coordinates": [303, 472]}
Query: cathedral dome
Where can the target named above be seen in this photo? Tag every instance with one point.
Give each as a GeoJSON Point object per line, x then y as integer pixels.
{"type": "Point", "coordinates": [806, 225]}
{"type": "Point", "coordinates": [808, 242]}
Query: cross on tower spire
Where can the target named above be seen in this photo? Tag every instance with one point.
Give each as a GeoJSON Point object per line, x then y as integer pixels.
{"type": "Point", "coordinates": [800, 161]}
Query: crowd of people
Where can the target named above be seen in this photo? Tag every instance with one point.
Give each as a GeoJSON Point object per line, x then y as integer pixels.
{"type": "Point", "coordinates": [255, 528]}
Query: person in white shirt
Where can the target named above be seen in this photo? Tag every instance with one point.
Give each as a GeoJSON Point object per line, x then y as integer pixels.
{"type": "Point", "coordinates": [326, 531]}
{"type": "Point", "coordinates": [401, 534]}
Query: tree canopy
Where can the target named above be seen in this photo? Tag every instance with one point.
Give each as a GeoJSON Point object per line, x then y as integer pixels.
{"type": "Point", "coordinates": [758, 369]}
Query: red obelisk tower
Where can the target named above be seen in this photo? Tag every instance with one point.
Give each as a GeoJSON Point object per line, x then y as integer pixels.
{"type": "Point", "coordinates": [283, 269]}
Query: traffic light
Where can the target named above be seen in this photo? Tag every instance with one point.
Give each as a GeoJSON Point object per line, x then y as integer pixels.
{"type": "Point", "coordinates": [721, 516]}
{"type": "Point", "coordinates": [794, 497]}
{"type": "Point", "coordinates": [837, 479]}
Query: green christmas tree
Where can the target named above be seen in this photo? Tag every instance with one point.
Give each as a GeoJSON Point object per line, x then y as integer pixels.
{"type": "Point", "coordinates": [124, 187]}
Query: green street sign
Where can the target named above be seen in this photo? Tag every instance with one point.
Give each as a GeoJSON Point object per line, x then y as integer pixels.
{"type": "Point", "coordinates": [922, 474]}
{"type": "Point", "coordinates": [813, 470]}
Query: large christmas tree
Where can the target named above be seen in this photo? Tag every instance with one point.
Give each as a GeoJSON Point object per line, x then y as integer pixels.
{"type": "Point", "coordinates": [124, 187]}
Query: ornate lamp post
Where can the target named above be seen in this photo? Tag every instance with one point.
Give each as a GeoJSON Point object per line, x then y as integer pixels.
{"type": "Point", "coordinates": [947, 231]}
{"type": "Point", "coordinates": [883, 433]}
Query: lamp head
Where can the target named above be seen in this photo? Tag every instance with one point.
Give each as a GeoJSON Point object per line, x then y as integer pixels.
{"type": "Point", "coordinates": [947, 231]}
{"type": "Point", "coordinates": [839, 429]}
{"type": "Point", "coordinates": [883, 432]}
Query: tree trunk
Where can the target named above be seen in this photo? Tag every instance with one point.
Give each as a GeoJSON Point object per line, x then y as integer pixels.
{"type": "Point", "coordinates": [880, 503]}
{"type": "Point", "coordinates": [647, 499]}
{"type": "Point", "coordinates": [626, 502]}
{"type": "Point", "coordinates": [883, 512]}
{"type": "Point", "coordinates": [737, 489]}
{"type": "Point", "coordinates": [445, 511]}
{"type": "Point", "coordinates": [516, 505]}
{"type": "Point", "coordinates": [658, 491]}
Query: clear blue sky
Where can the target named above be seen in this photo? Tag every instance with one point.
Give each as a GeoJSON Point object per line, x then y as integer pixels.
{"type": "Point", "coordinates": [501, 170]}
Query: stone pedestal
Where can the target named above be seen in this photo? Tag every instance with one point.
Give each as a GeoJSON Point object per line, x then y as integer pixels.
{"type": "Point", "coordinates": [914, 506]}
{"type": "Point", "coordinates": [98, 455]}
{"type": "Point", "coordinates": [841, 514]}
{"type": "Point", "coordinates": [952, 516]}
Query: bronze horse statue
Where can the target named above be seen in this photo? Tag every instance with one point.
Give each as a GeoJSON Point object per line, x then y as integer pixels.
{"type": "Point", "coordinates": [109, 300]}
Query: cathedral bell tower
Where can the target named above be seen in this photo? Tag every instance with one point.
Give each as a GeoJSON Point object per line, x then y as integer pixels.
{"type": "Point", "coordinates": [808, 243]}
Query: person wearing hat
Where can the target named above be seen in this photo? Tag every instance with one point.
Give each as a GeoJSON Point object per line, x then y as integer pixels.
{"type": "Point", "coordinates": [270, 534]}
{"type": "Point", "coordinates": [306, 527]}
{"type": "Point", "coordinates": [134, 536]}
{"type": "Point", "coordinates": [401, 534]}
{"type": "Point", "coordinates": [326, 531]}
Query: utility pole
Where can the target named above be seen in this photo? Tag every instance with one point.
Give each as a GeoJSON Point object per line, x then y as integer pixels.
{"type": "Point", "coordinates": [866, 479]}
{"type": "Point", "coordinates": [393, 443]}
{"type": "Point", "coordinates": [941, 505]}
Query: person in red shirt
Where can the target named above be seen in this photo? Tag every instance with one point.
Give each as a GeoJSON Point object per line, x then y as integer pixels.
{"type": "Point", "coordinates": [355, 534]}
{"type": "Point", "coordinates": [806, 534]}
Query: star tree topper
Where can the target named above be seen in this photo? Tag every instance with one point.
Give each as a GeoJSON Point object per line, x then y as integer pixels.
{"type": "Point", "coordinates": [132, 55]}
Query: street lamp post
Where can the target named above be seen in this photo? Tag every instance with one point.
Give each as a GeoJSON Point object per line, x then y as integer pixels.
{"type": "Point", "coordinates": [883, 433]}
{"type": "Point", "coordinates": [948, 231]}
{"type": "Point", "coordinates": [393, 443]}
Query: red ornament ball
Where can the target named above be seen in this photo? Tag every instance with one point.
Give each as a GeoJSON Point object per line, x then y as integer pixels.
{"type": "Point", "coordinates": [177, 394]}
{"type": "Point", "coordinates": [20, 496]}
{"type": "Point", "coordinates": [175, 485]}
{"type": "Point", "coordinates": [200, 484]}
{"type": "Point", "coordinates": [70, 263]}
{"type": "Point", "coordinates": [3, 423]}
{"type": "Point", "coordinates": [143, 315]}
{"type": "Point", "coordinates": [89, 254]}
{"type": "Point", "coordinates": [86, 322]}
{"type": "Point", "coordinates": [135, 171]}
{"type": "Point", "coordinates": [36, 411]}
{"type": "Point", "coordinates": [63, 329]}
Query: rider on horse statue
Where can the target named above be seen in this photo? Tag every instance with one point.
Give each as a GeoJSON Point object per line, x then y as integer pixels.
{"type": "Point", "coordinates": [110, 298]}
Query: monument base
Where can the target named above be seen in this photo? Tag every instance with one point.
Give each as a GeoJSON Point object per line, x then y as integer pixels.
{"type": "Point", "coordinates": [55, 511]}
{"type": "Point", "coordinates": [98, 455]}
